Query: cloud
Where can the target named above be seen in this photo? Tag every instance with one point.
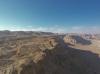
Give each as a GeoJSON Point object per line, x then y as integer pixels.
{"type": "Point", "coordinates": [55, 29]}
{"type": "Point", "coordinates": [49, 29]}
{"type": "Point", "coordinates": [85, 29]}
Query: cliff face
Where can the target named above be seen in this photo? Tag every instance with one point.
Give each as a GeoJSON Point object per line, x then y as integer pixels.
{"type": "Point", "coordinates": [21, 56]}
{"type": "Point", "coordinates": [46, 55]}
{"type": "Point", "coordinates": [76, 39]}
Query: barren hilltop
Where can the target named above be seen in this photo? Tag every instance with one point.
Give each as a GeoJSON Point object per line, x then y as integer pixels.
{"type": "Point", "coordinates": [28, 52]}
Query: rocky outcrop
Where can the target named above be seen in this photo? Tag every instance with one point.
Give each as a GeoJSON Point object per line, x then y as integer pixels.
{"type": "Point", "coordinates": [48, 55]}
{"type": "Point", "coordinates": [69, 40]}
{"type": "Point", "coordinates": [76, 39]}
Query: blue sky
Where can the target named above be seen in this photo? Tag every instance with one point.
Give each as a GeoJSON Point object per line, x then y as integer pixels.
{"type": "Point", "coordinates": [50, 15]}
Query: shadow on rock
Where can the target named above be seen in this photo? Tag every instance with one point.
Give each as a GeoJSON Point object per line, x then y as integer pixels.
{"type": "Point", "coordinates": [65, 60]}
{"type": "Point", "coordinates": [81, 40]}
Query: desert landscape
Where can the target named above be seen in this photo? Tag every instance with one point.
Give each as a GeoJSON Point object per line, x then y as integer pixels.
{"type": "Point", "coordinates": [27, 52]}
{"type": "Point", "coordinates": [49, 36]}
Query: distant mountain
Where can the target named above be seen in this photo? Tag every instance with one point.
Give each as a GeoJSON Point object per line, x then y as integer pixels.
{"type": "Point", "coordinates": [7, 33]}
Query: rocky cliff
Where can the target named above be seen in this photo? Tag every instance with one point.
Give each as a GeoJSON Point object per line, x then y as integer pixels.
{"type": "Point", "coordinates": [46, 55]}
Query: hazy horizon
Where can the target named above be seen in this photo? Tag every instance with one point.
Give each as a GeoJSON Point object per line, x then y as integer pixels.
{"type": "Point", "coordinates": [60, 16]}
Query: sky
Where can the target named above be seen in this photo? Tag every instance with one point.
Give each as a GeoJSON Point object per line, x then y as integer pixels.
{"type": "Point", "coordinates": [63, 16]}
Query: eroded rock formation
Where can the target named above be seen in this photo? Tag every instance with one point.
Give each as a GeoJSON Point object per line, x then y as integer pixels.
{"type": "Point", "coordinates": [47, 55]}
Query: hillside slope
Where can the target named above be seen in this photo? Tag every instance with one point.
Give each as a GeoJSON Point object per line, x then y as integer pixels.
{"type": "Point", "coordinates": [46, 55]}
